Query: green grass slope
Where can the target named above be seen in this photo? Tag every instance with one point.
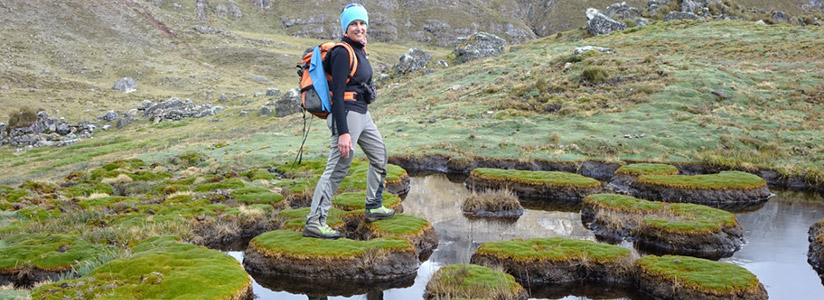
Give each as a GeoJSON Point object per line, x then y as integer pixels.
{"type": "Point", "coordinates": [729, 93]}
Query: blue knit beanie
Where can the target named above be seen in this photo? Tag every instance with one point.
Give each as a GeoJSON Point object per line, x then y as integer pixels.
{"type": "Point", "coordinates": [351, 13]}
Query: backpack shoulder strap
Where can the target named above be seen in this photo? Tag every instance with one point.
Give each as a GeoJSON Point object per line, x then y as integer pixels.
{"type": "Point", "coordinates": [353, 59]}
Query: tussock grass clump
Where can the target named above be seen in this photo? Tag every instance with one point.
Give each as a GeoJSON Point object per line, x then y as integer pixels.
{"type": "Point", "coordinates": [595, 75]}
{"type": "Point", "coordinates": [697, 278]}
{"type": "Point", "coordinates": [492, 200]}
{"type": "Point", "coordinates": [647, 169]}
{"type": "Point", "coordinates": [222, 185]}
{"type": "Point", "coordinates": [493, 203]}
{"type": "Point", "coordinates": [296, 218]}
{"type": "Point", "coordinates": [473, 281]}
{"type": "Point", "coordinates": [24, 117]}
{"type": "Point", "coordinates": [721, 181]}
{"type": "Point", "coordinates": [160, 268]}
{"type": "Point", "coordinates": [400, 225]}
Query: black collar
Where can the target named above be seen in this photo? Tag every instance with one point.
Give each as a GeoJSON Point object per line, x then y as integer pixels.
{"type": "Point", "coordinates": [352, 43]}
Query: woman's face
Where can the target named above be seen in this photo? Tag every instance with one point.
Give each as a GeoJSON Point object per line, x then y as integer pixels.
{"type": "Point", "coordinates": [357, 31]}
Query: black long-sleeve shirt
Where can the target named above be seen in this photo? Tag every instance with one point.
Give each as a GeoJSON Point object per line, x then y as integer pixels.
{"type": "Point", "coordinates": [337, 63]}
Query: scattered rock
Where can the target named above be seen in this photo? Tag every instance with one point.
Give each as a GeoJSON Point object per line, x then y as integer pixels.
{"type": "Point", "coordinates": [479, 45]}
{"type": "Point", "coordinates": [677, 15]}
{"type": "Point", "coordinates": [131, 113]}
{"type": "Point", "coordinates": [126, 85]}
{"type": "Point", "coordinates": [288, 104]}
{"type": "Point", "coordinates": [265, 111]}
{"type": "Point", "coordinates": [780, 17]}
{"type": "Point", "coordinates": [106, 127]}
{"type": "Point", "coordinates": [580, 50]}
{"type": "Point", "coordinates": [601, 24]}
{"type": "Point", "coordinates": [110, 116]}
{"type": "Point", "coordinates": [413, 60]}
{"type": "Point", "coordinates": [4, 87]}
{"type": "Point", "coordinates": [273, 92]}
{"type": "Point", "coordinates": [259, 95]}
{"type": "Point", "coordinates": [761, 22]}
{"type": "Point", "coordinates": [721, 94]}
{"type": "Point", "coordinates": [223, 98]}
{"type": "Point", "coordinates": [126, 121]}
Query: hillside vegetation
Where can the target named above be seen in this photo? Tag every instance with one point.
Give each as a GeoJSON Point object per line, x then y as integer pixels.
{"type": "Point", "coordinates": [730, 93]}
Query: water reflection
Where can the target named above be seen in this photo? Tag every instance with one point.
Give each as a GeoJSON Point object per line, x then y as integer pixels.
{"type": "Point", "coordinates": [775, 251]}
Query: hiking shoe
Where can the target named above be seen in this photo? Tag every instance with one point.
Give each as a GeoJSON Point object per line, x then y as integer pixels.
{"type": "Point", "coordinates": [379, 213]}
{"type": "Point", "coordinates": [320, 232]}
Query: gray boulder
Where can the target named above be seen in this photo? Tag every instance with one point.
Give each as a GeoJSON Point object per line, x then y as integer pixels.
{"type": "Point", "coordinates": [234, 10]}
{"type": "Point", "coordinates": [479, 45]}
{"type": "Point", "coordinates": [131, 113]}
{"type": "Point", "coordinates": [580, 50]}
{"type": "Point", "coordinates": [677, 15]}
{"type": "Point", "coordinates": [622, 11]}
{"type": "Point", "coordinates": [4, 87]}
{"type": "Point", "coordinates": [110, 116]}
{"type": "Point", "coordinates": [689, 6]}
{"type": "Point", "coordinates": [126, 121]}
{"type": "Point", "coordinates": [126, 85]}
{"type": "Point", "coordinates": [273, 92]}
{"type": "Point", "coordinates": [265, 111]}
{"type": "Point", "coordinates": [654, 5]}
{"type": "Point", "coordinates": [413, 60]}
{"type": "Point", "coordinates": [780, 17]}
{"type": "Point", "coordinates": [200, 9]}
{"type": "Point", "coordinates": [223, 98]}
{"type": "Point", "coordinates": [288, 104]}
{"type": "Point", "coordinates": [601, 24]}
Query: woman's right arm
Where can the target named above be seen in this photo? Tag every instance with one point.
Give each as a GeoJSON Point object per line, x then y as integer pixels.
{"type": "Point", "coordinates": [339, 63]}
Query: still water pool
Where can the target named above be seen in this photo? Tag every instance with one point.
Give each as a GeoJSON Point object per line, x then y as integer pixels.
{"type": "Point", "coordinates": [776, 248]}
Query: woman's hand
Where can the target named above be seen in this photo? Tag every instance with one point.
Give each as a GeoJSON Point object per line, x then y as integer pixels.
{"type": "Point", "coordinates": [345, 144]}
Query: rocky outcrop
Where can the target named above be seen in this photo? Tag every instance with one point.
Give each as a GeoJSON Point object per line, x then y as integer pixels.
{"type": "Point", "coordinates": [46, 131]}
{"type": "Point", "coordinates": [599, 23]}
{"type": "Point", "coordinates": [175, 109]}
{"type": "Point", "coordinates": [413, 60]}
{"type": "Point", "coordinates": [677, 15]}
{"type": "Point", "coordinates": [477, 46]}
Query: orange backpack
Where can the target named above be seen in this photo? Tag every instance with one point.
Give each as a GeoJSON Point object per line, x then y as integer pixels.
{"type": "Point", "coordinates": [311, 101]}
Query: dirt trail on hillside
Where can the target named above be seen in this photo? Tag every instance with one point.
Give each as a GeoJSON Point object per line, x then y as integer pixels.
{"type": "Point", "coordinates": [187, 50]}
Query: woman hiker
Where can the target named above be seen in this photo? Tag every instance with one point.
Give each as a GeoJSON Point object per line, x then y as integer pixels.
{"type": "Point", "coordinates": [350, 123]}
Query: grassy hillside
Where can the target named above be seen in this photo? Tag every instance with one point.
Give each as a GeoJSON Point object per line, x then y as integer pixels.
{"type": "Point", "coordinates": [729, 93]}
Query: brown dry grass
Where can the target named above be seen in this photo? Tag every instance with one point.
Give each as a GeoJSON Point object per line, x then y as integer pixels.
{"type": "Point", "coordinates": [492, 200]}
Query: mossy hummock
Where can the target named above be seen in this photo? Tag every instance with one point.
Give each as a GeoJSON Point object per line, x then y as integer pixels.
{"type": "Point", "coordinates": [357, 200]}
{"type": "Point", "coordinates": [625, 176]}
{"type": "Point", "coordinates": [557, 260]}
{"type": "Point", "coordinates": [160, 268]}
{"type": "Point", "coordinates": [29, 258]}
{"type": "Point", "coordinates": [815, 255]}
{"type": "Point", "coordinates": [668, 228]}
{"type": "Point", "coordinates": [728, 190]}
{"type": "Point", "coordinates": [556, 186]}
{"type": "Point", "coordinates": [463, 281]}
{"type": "Point", "coordinates": [414, 229]}
{"type": "Point", "coordinates": [287, 252]}
{"type": "Point", "coordinates": [684, 277]}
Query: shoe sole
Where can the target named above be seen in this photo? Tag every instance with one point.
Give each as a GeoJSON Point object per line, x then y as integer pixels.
{"type": "Point", "coordinates": [320, 236]}
{"type": "Point", "coordinates": [373, 219]}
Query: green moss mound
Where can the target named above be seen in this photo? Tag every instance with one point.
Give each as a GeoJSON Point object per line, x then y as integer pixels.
{"type": "Point", "coordinates": [86, 189]}
{"type": "Point", "coordinates": [553, 249]}
{"type": "Point", "coordinates": [283, 242]}
{"type": "Point", "coordinates": [356, 200]}
{"type": "Point", "coordinates": [692, 218]}
{"type": "Point", "coordinates": [707, 276]}
{"type": "Point", "coordinates": [258, 174]}
{"type": "Point", "coordinates": [222, 185]}
{"type": "Point", "coordinates": [473, 281]}
{"type": "Point", "coordinates": [400, 225]}
{"type": "Point", "coordinates": [721, 181]}
{"type": "Point", "coordinates": [11, 194]}
{"type": "Point", "coordinates": [537, 177]}
{"type": "Point", "coordinates": [256, 195]}
{"type": "Point", "coordinates": [622, 203]}
{"type": "Point", "coordinates": [160, 268]}
{"type": "Point", "coordinates": [647, 169]}
{"type": "Point", "coordinates": [296, 218]}
{"type": "Point", "coordinates": [103, 201]}
{"type": "Point", "coordinates": [49, 252]}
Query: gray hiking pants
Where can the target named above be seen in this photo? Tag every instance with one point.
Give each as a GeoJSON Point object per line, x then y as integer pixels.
{"type": "Point", "coordinates": [365, 134]}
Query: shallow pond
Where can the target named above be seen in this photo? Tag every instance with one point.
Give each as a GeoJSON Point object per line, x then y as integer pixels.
{"type": "Point", "coordinates": [776, 248]}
